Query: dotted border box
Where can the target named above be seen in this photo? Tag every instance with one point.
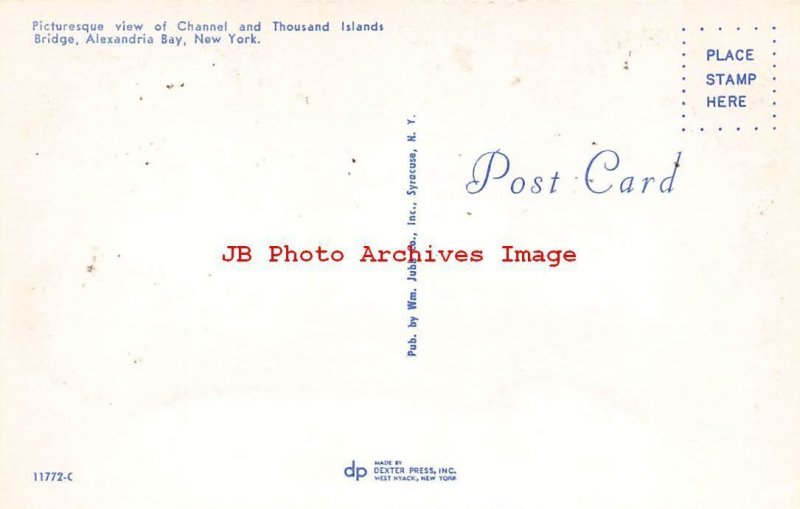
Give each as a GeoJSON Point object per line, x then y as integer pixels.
{"type": "Point", "coordinates": [774, 66]}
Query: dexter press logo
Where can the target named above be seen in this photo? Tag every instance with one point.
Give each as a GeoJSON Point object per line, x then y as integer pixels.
{"type": "Point", "coordinates": [356, 472]}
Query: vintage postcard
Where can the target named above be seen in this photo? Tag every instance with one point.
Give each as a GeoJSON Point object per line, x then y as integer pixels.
{"type": "Point", "coordinates": [402, 254]}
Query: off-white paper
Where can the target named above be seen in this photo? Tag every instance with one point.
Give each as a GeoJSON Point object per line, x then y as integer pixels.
{"type": "Point", "coordinates": [159, 347]}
